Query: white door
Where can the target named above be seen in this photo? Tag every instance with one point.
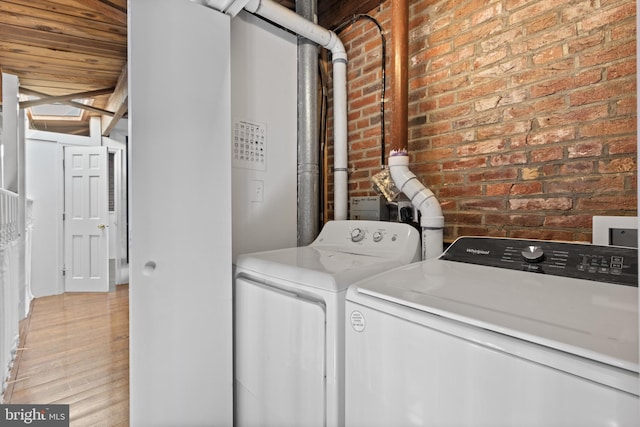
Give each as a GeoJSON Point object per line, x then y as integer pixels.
{"type": "Point", "coordinates": [86, 232]}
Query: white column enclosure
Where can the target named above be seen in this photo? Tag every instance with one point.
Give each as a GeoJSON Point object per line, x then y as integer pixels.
{"type": "Point", "coordinates": [180, 221]}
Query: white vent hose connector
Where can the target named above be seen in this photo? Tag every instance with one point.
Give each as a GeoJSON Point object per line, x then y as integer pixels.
{"type": "Point", "coordinates": [431, 220]}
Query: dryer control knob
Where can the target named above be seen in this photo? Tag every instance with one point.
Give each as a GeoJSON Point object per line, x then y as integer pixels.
{"type": "Point", "coordinates": [377, 236]}
{"type": "Point", "coordinates": [357, 235]}
{"type": "Point", "coordinates": [533, 254]}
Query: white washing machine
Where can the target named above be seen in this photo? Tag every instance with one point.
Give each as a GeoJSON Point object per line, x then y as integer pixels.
{"type": "Point", "coordinates": [289, 320]}
{"type": "Point", "coordinates": [497, 332]}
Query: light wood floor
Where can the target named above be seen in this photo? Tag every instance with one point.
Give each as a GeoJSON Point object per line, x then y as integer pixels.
{"type": "Point", "coordinates": [75, 350]}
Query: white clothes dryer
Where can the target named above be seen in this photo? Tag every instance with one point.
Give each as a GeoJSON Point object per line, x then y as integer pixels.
{"type": "Point", "coordinates": [497, 332]}
{"type": "Point", "coordinates": [289, 320]}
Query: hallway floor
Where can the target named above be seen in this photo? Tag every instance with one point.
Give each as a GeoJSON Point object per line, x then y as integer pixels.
{"type": "Point", "coordinates": [75, 350]}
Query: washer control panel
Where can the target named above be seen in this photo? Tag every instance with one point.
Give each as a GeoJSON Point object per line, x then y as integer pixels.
{"type": "Point", "coordinates": [610, 264]}
{"type": "Point", "coordinates": [378, 238]}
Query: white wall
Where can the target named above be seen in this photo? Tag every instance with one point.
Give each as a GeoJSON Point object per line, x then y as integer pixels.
{"type": "Point", "coordinates": [118, 231]}
{"type": "Point", "coordinates": [44, 187]}
{"type": "Point", "coordinates": [264, 86]}
{"type": "Point", "coordinates": [9, 142]}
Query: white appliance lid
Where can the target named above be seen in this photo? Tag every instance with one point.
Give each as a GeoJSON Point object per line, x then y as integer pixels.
{"type": "Point", "coordinates": [343, 253]}
{"type": "Point", "coordinates": [591, 319]}
{"type": "Point", "coordinates": [316, 267]}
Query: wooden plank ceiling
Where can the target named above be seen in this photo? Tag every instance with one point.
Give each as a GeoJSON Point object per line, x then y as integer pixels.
{"type": "Point", "coordinates": [67, 51]}
{"type": "Point", "coordinates": [64, 48]}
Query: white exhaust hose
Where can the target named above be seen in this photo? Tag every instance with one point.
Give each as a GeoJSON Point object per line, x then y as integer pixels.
{"type": "Point", "coordinates": [431, 219]}
{"type": "Point", "coordinates": [280, 15]}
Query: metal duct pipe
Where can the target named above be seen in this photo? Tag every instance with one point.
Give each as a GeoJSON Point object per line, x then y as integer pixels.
{"type": "Point", "coordinates": [400, 80]}
{"type": "Point", "coordinates": [308, 144]}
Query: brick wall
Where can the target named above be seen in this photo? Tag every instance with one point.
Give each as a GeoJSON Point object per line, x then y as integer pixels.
{"type": "Point", "coordinates": [522, 113]}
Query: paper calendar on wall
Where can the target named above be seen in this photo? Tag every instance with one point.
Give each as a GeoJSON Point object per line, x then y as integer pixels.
{"type": "Point", "coordinates": [249, 145]}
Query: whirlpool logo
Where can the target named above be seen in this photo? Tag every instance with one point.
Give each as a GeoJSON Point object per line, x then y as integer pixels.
{"type": "Point", "coordinates": [478, 251]}
{"type": "Point", "coordinates": [34, 415]}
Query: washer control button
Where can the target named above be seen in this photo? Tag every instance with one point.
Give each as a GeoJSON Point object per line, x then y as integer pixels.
{"type": "Point", "coordinates": [357, 235]}
{"type": "Point", "coordinates": [377, 236]}
{"type": "Point", "coordinates": [533, 254]}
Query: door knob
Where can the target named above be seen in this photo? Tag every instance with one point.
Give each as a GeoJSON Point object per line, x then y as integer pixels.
{"type": "Point", "coordinates": [102, 226]}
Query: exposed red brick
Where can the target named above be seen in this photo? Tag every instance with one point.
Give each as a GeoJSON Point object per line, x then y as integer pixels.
{"type": "Point", "coordinates": [483, 204]}
{"type": "Point", "coordinates": [484, 147]}
{"type": "Point", "coordinates": [622, 146]}
{"type": "Point", "coordinates": [522, 113]}
{"type": "Point", "coordinates": [624, 30]}
{"type": "Point", "coordinates": [592, 185]}
{"type": "Point", "coordinates": [626, 164]}
{"type": "Point", "coordinates": [546, 155]}
{"type": "Point", "coordinates": [543, 234]}
{"type": "Point", "coordinates": [583, 43]}
{"type": "Point", "coordinates": [541, 204]}
{"type": "Point", "coordinates": [552, 136]}
{"type": "Point", "coordinates": [515, 220]}
{"type": "Point", "coordinates": [497, 189]}
{"type": "Point", "coordinates": [519, 189]}
{"type": "Point", "coordinates": [500, 129]}
{"type": "Point", "coordinates": [543, 39]}
{"type": "Point", "coordinates": [464, 218]}
{"type": "Point", "coordinates": [494, 175]}
{"type": "Point", "coordinates": [605, 17]}
{"type": "Point", "coordinates": [569, 221]}
{"type": "Point", "coordinates": [459, 191]}
{"type": "Point", "coordinates": [585, 149]}
{"type": "Point", "coordinates": [602, 92]}
{"type": "Point", "coordinates": [542, 23]}
{"type": "Point", "coordinates": [577, 168]}
{"type": "Point", "coordinates": [465, 164]}
{"type": "Point", "coordinates": [548, 55]}
{"type": "Point", "coordinates": [532, 10]}
{"type": "Point", "coordinates": [613, 53]}
{"type": "Point", "coordinates": [608, 203]}
{"type": "Point", "coordinates": [577, 115]}
{"type": "Point", "coordinates": [512, 158]}
{"type": "Point", "coordinates": [609, 127]}
{"type": "Point", "coordinates": [625, 106]}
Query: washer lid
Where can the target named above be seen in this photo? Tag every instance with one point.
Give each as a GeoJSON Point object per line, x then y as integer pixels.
{"type": "Point", "coordinates": [316, 267]}
{"type": "Point", "coordinates": [590, 319]}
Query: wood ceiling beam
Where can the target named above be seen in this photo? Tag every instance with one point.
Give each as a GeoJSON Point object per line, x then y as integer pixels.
{"type": "Point", "coordinates": [61, 98]}
{"type": "Point", "coordinates": [113, 121]}
{"type": "Point", "coordinates": [332, 13]}
{"type": "Point", "coordinates": [71, 103]}
{"type": "Point", "coordinates": [118, 102]}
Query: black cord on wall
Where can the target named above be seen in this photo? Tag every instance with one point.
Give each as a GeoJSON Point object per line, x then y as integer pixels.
{"type": "Point", "coordinates": [384, 78]}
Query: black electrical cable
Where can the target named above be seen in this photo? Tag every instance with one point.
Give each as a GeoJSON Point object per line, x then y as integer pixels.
{"type": "Point", "coordinates": [384, 78]}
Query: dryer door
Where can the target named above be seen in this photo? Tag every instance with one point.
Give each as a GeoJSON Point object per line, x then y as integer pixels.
{"type": "Point", "coordinates": [279, 357]}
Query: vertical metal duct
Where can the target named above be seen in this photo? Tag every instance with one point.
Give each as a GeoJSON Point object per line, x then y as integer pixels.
{"type": "Point", "coordinates": [308, 144]}
{"type": "Point", "coordinates": [400, 78]}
